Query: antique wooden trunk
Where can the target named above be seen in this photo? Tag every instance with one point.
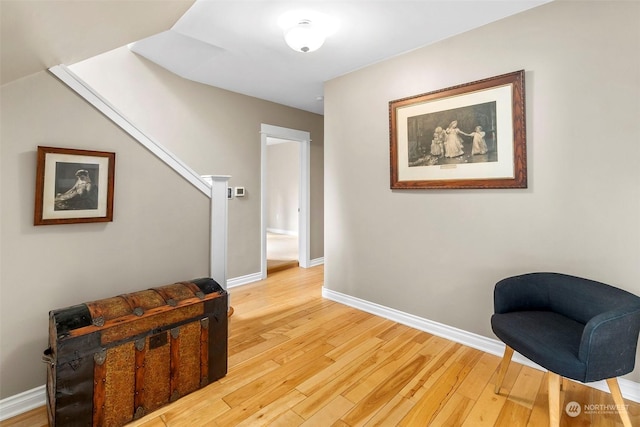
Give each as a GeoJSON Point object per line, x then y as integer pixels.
{"type": "Point", "coordinates": [114, 360]}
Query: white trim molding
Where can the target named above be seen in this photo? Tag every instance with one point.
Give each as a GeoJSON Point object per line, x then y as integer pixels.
{"type": "Point", "coordinates": [282, 231]}
{"type": "Point", "coordinates": [316, 261]}
{"type": "Point", "coordinates": [22, 402]}
{"type": "Point", "coordinates": [219, 232]}
{"type": "Point", "coordinates": [630, 389]}
{"type": "Point", "coordinates": [213, 186]}
{"type": "Point", "coordinates": [101, 104]}
{"type": "Point", "coordinates": [244, 280]}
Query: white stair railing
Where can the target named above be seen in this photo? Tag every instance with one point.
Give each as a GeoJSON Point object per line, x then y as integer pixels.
{"type": "Point", "coordinates": [213, 186]}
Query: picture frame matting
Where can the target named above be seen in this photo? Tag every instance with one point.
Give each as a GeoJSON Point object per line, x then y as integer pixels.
{"type": "Point", "coordinates": [73, 186]}
{"type": "Point", "coordinates": [467, 136]}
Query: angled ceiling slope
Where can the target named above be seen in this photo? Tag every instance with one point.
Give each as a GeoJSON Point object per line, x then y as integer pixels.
{"type": "Point", "coordinates": [38, 34]}
{"type": "Point", "coordinates": [238, 46]}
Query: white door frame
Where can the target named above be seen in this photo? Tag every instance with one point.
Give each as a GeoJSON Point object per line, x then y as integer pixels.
{"type": "Point", "coordinates": [304, 138]}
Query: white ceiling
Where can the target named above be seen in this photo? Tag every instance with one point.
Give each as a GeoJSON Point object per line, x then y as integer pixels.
{"type": "Point", "coordinates": [235, 44]}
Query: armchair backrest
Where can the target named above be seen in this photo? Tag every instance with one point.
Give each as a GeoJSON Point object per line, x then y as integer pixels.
{"type": "Point", "coordinates": [574, 297]}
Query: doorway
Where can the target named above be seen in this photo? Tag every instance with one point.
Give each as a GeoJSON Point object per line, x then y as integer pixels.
{"type": "Point", "coordinates": [282, 200]}
{"type": "Point", "coordinates": [275, 135]}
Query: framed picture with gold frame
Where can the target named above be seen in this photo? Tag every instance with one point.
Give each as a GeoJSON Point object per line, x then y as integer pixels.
{"type": "Point", "coordinates": [467, 136]}
{"type": "Point", "coordinates": [74, 186]}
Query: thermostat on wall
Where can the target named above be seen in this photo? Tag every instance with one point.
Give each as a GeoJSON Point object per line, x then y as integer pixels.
{"type": "Point", "coordinates": [239, 191]}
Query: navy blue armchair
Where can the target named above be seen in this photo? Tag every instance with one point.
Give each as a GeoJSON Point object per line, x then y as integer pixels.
{"type": "Point", "coordinates": [575, 328]}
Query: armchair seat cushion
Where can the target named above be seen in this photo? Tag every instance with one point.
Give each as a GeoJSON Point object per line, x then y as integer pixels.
{"type": "Point", "coordinates": [549, 339]}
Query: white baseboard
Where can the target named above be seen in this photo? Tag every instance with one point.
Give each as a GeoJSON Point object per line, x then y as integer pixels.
{"type": "Point", "coordinates": [630, 389]}
{"type": "Point", "coordinates": [316, 261]}
{"type": "Point", "coordinates": [22, 402]}
{"type": "Point", "coordinates": [243, 280]}
{"type": "Point", "coordinates": [282, 231]}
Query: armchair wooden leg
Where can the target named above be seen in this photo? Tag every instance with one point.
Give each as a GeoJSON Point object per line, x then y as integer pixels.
{"type": "Point", "coordinates": [554, 399]}
{"type": "Point", "coordinates": [504, 365]}
{"type": "Point", "coordinates": [619, 401]}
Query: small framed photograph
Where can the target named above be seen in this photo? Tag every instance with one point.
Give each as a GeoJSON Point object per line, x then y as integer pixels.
{"type": "Point", "coordinates": [74, 186]}
{"type": "Point", "coordinates": [468, 136]}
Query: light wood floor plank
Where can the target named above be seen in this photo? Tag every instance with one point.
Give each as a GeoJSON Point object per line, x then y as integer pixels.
{"type": "Point", "coordinates": [385, 368]}
{"type": "Point", "coordinates": [487, 408]}
{"type": "Point", "coordinates": [440, 351]}
{"type": "Point", "coordinates": [298, 359]}
{"type": "Point", "coordinates": [358, 353]}
{"type": "Point", "coordinates": [383, 392]}
{"type": "Point", "coordinates": [287, 419]}
{"type": "Point", "coordinates": [540, 411]}
{"type": "Point", "coordinates": [526, 387]}
{"type": "Point", "coordinates": [357, 329]}
{"type": "Point", "coordinates": [200, 414]}
{"type": "Point", "coordinates": [240, 374]}
{"type": "Point", "coordinates": [256, 350]}
{"type": "Point", "coordinates": [149, 422]}
{"type": "Point", "coordinates": [321, 392]}
{"type": "Point", "coordinates": [513, 415]}
{"type": "Point", "coordinates": [344, 346]}
{"type": "Point", "coordinates": [34, 418]}
{"type": "Point", "coordinates": [391, 413]}
{"type": "Point", "coordinates": [310, 361]}
{"type": "Point", "coordinates": [509, 379]}
{"type": "Point", "coordinates": [436, 397]}
{"type": "Point", "coordinates": [346, 378]}
{"type": "Point", "coordinates": [454, 412]}
{"type": "Point", "coordinates": [272, 412]}
{"type": "Point", "coordinates": [330, 412]}
{"type": "Point", "coordinates": [267, 391]}
{"type": "Point", "coordinates": [482, 372]}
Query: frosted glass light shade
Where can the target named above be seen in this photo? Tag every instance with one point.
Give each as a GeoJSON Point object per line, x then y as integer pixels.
{"type": "Point", "coordinates": [304, 37]}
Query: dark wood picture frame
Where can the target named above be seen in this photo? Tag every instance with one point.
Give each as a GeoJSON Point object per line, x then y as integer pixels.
{"type": "Point", "coordinates": [74, 186]}
{"type": "Point", "coordinates": [493, 154]}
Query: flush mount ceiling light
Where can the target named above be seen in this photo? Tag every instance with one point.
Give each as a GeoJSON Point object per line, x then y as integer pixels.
{"type": "Point", "coordinates": [304, 36]}
{"type": "Point", "coordinates": [305, 31]}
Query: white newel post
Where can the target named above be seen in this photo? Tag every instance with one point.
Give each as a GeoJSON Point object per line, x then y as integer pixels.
{"type": "Point", "coordinates": [219, 185]}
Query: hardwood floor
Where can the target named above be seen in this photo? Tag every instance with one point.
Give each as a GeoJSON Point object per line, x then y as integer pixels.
{"type": "Point", "coordinates": [296, 359]}
{"type": "Point", "coordinates": [274, 266]}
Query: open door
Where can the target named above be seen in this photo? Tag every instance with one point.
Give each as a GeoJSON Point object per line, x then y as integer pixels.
{"type": "Point", "coordinates": [269, 132]}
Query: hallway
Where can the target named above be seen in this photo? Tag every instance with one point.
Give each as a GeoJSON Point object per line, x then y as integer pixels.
{"type": "Point", "coordinates": [282, 252]}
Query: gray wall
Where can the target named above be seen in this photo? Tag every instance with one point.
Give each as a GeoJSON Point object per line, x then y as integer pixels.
{"type": "Point", "coordinates": [437, 254]}
{"type": "Point", "coordinates": [283, 184]}
{"type": "Point", "coordinates": [214, 132]}
{"type": "Point", "coordinates": [159, 234]}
